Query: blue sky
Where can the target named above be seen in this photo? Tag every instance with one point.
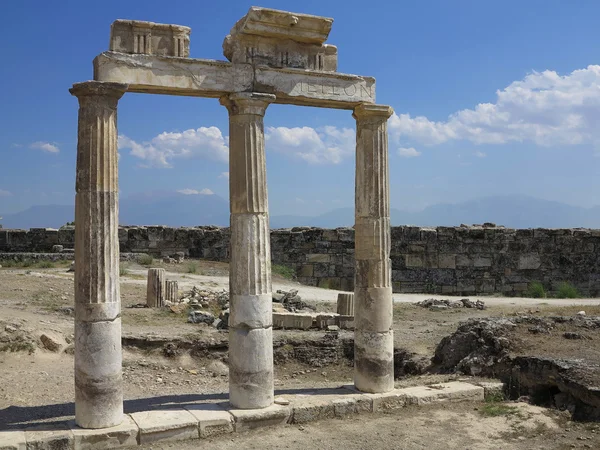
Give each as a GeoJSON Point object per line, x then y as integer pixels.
{"type": "Point", "coordinates": [491, 98]}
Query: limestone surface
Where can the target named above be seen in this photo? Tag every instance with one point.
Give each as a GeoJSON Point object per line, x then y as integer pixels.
{"type": "Point", "coordinates": [281, 39]}
{"type": "Point", "coordinates": [98, 387]}
{"type": "Point", "coordinates": [136, 36]}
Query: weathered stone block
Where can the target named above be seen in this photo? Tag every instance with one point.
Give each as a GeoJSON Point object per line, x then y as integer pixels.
{"type": "Point", "coordinates": [290, 321]}
{"type": "Point", "coordinates": [49, 437]}
{"type": "Point", "coordinates": [250, 419]}
{"type": "Point", "coordinates": [529, 261]}
{"type": "Point", "coordinates": [148, 38]}
{"type": "Point", "coordinates": [318, 258]}
{"type": "Point", "coordinates": [212, 419]}
{"type": "Point", "coordinates": [123, 435]}
{"type": "Point", "coordinates": [446, 261]}
{"type": "Point", "coordinates": [166, 425]}
{"type": "Point", "coordinates": [414, 261]}
{"type": "Point", "coordinates": [13, 440]}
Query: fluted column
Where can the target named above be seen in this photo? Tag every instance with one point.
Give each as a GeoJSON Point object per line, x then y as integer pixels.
{"type": "Point", "coordinates": [98, 390]}
{"type": "Point", "coordinates": [373, 335]}
{"type": "Point", "coordinates": [251, 318]}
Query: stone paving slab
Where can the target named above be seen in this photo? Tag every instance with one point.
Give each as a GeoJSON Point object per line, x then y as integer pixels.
{"type": "Point", "coordinates": [249, 419]}
{"type": "Point", "coordinates": [166, 425]}
{"type": "Point", "coordinates": [212, 419]}
{"type": "Point", "coordinates": [453, 392]}
{"type": "Point", "coordinates": [202, 420]}
{"type": "Point", "coordinates": [12, 440]}
{"type": "Point", "coordinates": [50, 437]}
{"type": "Point", "coordinates": [327, 403]}
{"type": "Point", "coordinates": [123, 435]}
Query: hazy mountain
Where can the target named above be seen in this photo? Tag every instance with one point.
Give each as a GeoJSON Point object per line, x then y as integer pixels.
{"type": "Point", "coordinates": [41, 216]}
{"type": "Point", "coordinates": [175, 209]}
{"type": "Point", "coordinates": [514, 211]}
{"type": "Point", "coordinates": [156, 208]}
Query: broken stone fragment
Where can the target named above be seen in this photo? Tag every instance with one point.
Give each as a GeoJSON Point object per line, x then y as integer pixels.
{"type": "Point", "coordinates": [50, 343]}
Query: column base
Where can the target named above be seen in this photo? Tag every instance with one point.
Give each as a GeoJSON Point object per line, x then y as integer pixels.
{"type": "Point", "coordinates": [374, 361]}
{"type": "Point", "coordinates": [98, 376]}
{"type": "Point", "coordinates": [251, 368]}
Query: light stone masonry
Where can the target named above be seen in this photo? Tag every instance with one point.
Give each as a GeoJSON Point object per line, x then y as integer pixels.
{"type": "Point", "coordinates": [155, 288]}
{"type": "Point", "coordinates": [250, 320]}
{"type": "Point", "coordinates": [281, 39]}
{"type": "Point", "coordinates": [98, 377]}
{"type": "Point", "coordinates": [136, 36]}
{"type": "Point", "coordinates": [274, 57]}
{"type": "Point", "coordinates": [374, 340]}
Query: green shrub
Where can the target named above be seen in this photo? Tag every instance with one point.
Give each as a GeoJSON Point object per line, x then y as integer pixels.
{"type": "Point", "coordinates": [284, 271]}
{"type": "Point", "coordinates": [45, 264]}
{"type": "Point", "coordinates": [145, 260]}
{"type": "Point", "coordinates": [567, 290]}
{"type": "Point", "coordinates": [123, 270]}
{"type": "Point", "coordinates": [535, 290]}
{"type": "Point", "coordinates": [191, 268]}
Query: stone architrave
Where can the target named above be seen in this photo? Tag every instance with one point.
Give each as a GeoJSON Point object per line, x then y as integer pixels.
{"type": "Point", "coordinates": [98, 377]}
{"type": "Point", "coordinates": [155, 288]}
{"type": "Point", "coordinates": [171, 291]}
{"type": "Point", "coordinates": [373, 335]}
{"type": "Point", "coordinates": [345, 303]}
{"type": "Point", "coordinates": [250, 320]}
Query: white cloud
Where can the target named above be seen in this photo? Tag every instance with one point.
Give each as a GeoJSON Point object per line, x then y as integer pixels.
{"type": "Point", "coordinates": [300, 200]}
{"type": "Point", "coordinates": [326, 145]}
{"type": "Point", "coordinates": [208, 143]}
{"type": "Point", "coordinates": [45, 146]}
{"type": "Point", "coordinates": [409, 152]}
{"type": "Point", "coordinates": [480, 154]}
{"type": "Point", "coordinates": [544, 108]}
{"type": "Point", "coordinates": [4, 193]}
{"type": "Point", "coordinates": [224, 175]}
{"type": "Point", "coordinates": [188, 191]}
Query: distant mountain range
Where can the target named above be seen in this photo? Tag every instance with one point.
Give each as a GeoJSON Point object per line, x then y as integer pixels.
{"type": "Point", "coordinates": [175, 209]}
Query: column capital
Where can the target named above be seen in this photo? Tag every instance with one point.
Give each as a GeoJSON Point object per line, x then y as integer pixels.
{"type": "Point", "coordinates": [98, 89]}
{"type": "Point", "coordinates": [247, 103]}
{"type": "Point", "coordinates": [366, 111]}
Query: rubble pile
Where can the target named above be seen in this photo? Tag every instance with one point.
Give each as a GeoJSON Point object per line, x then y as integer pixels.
{"type": "Point", "coordinates": [437, 304]}
{"type": "Point", "coordinates": [291, 301]}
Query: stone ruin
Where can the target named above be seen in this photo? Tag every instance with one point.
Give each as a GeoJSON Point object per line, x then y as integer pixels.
{"type": "Point", "coordinates": [273, 57]}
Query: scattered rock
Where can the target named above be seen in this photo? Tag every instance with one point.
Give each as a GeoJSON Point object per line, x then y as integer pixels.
{"type": "Point", "coordinates": [291, 301]}
{"type": "Point", "coordinates": [219, 368]}
{"type": "Point", "coordinates": [437, 304]}
{"type": "Point", "coordinates": [50, 343]}
{"type": "Point", "coordinates": [66, 310]}
{"type": "Point", "coordinates": [199, 316]}
{"type": "Point", "coordinates": [581, 313]}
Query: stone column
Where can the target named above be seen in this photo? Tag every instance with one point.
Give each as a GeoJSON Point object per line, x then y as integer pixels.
{"type": "Point", "coordinates": [155, 288]}
{"type": "Point", "coordinates": [345, 303]}
{"type": "Point", "coordinates": [251, 317]}
{"type": "Point", "coordinates": [171, 291]}
{"type": "Point", "coordinates": [373, 335]}
{"type": "Point", "coordinates": [98, 390]}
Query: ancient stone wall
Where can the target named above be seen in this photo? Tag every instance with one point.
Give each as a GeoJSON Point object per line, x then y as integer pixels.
{"type": "Point", "coordinates": [446, 260]}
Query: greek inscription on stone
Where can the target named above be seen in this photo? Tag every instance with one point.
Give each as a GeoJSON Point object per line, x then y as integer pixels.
{"type": "Point", "coordinates": [292, 87]}
{"type": "Point", "coordinates": [350, 90]}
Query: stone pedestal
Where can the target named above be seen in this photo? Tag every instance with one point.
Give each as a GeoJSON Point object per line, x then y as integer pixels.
{"type": "Point", "coordinates": [171, 291]}
{"type": "Point", "coordinates": [345, 303]}
{"type": "Point", "coordinates": [250, 320]}
{"type": "Point", "coordinates": [155, 288]}
{"type": "Point", "coordinates": [98, 390]}
{"type": "Point", "coordinates": [373, 336]}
